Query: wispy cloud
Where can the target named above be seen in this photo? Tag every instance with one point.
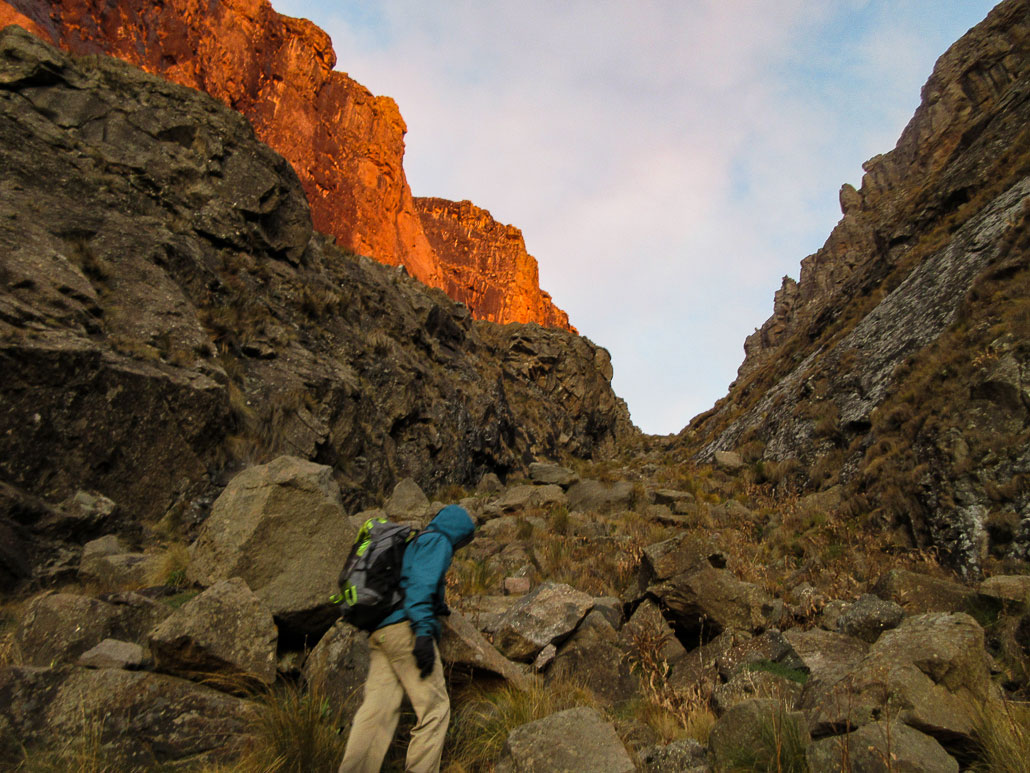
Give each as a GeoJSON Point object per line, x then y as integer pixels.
{"type": "Point", "coordinates": [667, 160]}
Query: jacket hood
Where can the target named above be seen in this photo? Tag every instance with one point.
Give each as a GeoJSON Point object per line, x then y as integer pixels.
{"type": "Point", "coordinates": [455, 523]}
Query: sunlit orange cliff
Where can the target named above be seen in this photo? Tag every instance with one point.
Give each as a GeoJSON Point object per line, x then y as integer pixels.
{"type": "Point", "coordinates": [346, 145]}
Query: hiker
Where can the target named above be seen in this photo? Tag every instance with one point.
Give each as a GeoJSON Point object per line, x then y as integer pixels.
{"type": "Point", "coordinates": [403, 656]}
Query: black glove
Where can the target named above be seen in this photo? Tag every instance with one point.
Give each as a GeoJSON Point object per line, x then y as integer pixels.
{"type": "Point", "coordinates": [425, 655]}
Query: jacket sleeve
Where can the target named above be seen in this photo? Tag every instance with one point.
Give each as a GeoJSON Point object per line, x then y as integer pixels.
{"type": "Point", "coordinates": [425, 563]}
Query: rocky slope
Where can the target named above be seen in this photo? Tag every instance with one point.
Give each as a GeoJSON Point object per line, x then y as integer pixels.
{"type": "Point", "coordinates": [485, 264]}
{"type": "Point", "coordinates": [167, 313]}
{"type": "Point", "coordinates": [898, 364]}
{"type": "Point", "coordinates": [345, 144]}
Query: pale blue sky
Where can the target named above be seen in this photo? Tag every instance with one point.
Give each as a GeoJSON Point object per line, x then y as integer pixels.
{"type": "Point", "coordinates": [668, 161]}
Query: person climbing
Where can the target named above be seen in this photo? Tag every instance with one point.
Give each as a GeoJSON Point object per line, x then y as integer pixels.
{"type": "Point", "coordinates": [404, 659]}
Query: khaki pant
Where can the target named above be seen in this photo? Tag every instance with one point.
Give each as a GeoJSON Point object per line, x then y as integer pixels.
{"type": "Point", "coordinates": [391, 673]}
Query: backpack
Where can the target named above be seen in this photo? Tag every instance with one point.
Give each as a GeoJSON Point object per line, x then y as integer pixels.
{"type": "Point", "coordinates": [370, 581]}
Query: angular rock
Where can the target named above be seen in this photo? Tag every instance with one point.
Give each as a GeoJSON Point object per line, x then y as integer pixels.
{"type": "Point", "coordinates": [648, 629]}
{"type": "Point", "coordinates": [407, 503]}
{"type": "Point", "coordinates": [826, 655]}
{"type": "Point", "coordinates": [709, 601]}
{"type": "Point", "coordinates": [868, 617]}
{"type": "Point", "coordinates": [107, 563]}
{"type": "Point", "coordinates": [463, 645]}
{"type": "Point", "coordinates": [282, 529]}
{"type": "Point", "coordinates": [576, 740]}
{"type": "Point", "coordinates": [928, 670]}
{"type": "Point", "coordinates": [920, 593]}
{"type": "Point", "coordinates": [1011, 592]}
{"type": "Point", "coordinates": [594, 496]}
{"type": "Point", "coordinates": [596, 657]}
{"type": "Point", "coordinates": [688, 552]}
{"type": "Point", "coordinates": [142, 719]}
{"type": "Point", "coordinates": [744, 735]}
{"type": "Point", "coordinates": [111, 653]}
{"type": "Point", "coordinates": [769, 647]}
{"type": "Point", "coordinates": [749, 684]}
{"type": "Point", "coordinates": [338, 665]}
{"type": "Point", "coordinates": [728, 460]}
{"type": "Point", "coordinates": [547, 615]}
{"type": "Point", "coordinates": [524, 496]}
{"type": "Point", "coordinates": [59, 627]}
{"type": "Point", "coordinates": [225, 633]}
{"type": "Point", "coordinates": [489, 484]}
{"type": "Point", "coordinates": [869, 748]}
{"type": "Point", "coordinates": [554, 474]}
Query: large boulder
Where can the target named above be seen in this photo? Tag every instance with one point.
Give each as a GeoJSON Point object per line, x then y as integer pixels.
{"type": "Point", "coordinates": [59, 627]}
{"type": "Point", "coordinates": [576, 740]}
{"type": "Point", "coordinates": [683, 554]}
{"type": "Point", "coordinates": [928, 671]}
{"type": "Point", "coordinates": [142, 719]}
{"type": "Point", "coordinates": [547, 615]}
{"type": "Point", "coordinates": [225, 635]}
{"type": "Point", "coordinates": [281, 527]}
{"type": "Point", "coordinates": [870, 747]}
{"type": "Point", "coordinates": [706, 602]}
{"type": "Point", "coordinates": [338, 665]}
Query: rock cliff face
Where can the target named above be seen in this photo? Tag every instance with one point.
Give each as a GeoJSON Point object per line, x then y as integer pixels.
{"type": "Point", "coordinates": [898, 364]}
{"type": "Point", "coordinates": [167, 314]}
{"type": "Point", "coordinates": [485, 264]}
{"type": "Point", "coordinates": [345, 144]}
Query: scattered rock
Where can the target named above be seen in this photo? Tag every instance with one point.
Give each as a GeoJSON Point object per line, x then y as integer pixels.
{"type": "Point", "coordinates": [544, 658]}
{"type": "Point", "coordinates": [489, 484]}
{"type": "Point", "coordinates": [540, 472]}
{"type": "Point", "coordinates": [111, 653]}
{"type": "Point", "coordinates": [407, 503]}
{"type": "Point", "coordinates": [597, 497]}
{"type": "Point", "coordinates": [59, 627]}
{"type": "Point", "coordinates": [547, 615]}
{"type": "Point", "coordinates": [225, 633]}
{"type": "Point", "coordinates": [1011, 592]}
{"type": "Point", "coordinates": [921, 593]}
{"type": "Point", "coordinates": [463, 645]}
{"type": "Point", "coordinates": [557, 744]}
{"type": "Point", "coordinates": [106, 562]}
{"type": "Point", "coordinates": [526, 495]}
{"type": "Point", "coordinates": [868, 617]}
{"type": "Point", "coordinates": [728, 460]}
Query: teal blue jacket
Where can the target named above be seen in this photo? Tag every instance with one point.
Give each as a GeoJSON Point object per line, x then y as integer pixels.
{"type": "Point", "coordinates": [424, 569]}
